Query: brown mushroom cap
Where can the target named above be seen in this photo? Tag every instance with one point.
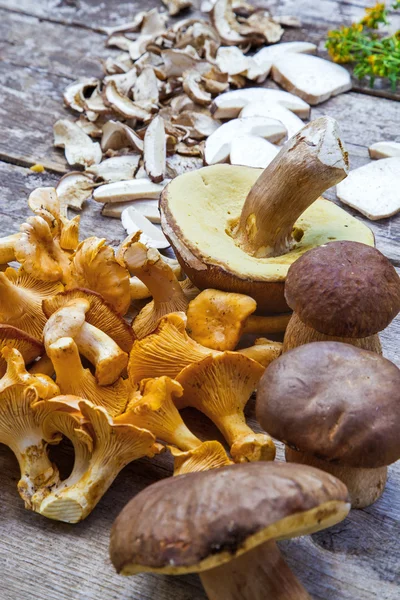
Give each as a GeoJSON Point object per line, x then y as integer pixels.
{"type": "Point", "coordinates": [344, 289]}
{"type": "Point", "coordinates": [194, 522]}
{"type": "Point", "coordinates": [29, 347]}
{"type": "Point", "coordinates": [100, 315]}
{"type": "Point", "coordinates": [333, 401]}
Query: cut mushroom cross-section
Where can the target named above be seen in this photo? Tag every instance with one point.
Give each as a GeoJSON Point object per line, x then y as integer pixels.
{"type": "Point", "coordinates": [124, 191]}
{"type": "Point", "coordinates": [135, 222]}
{"type": "Point", "coordinates": [240, 229]}
{"type": "Point", "coordinates": [229, 105]}
{"type": "Point", "coordinates": [292, 122]}
{"type": "Point", "coordinates": [218, 145]}
{"type": "Point", "coordinates": [79, 148]}
{"type": "Point", "coordinates": [155, 150]}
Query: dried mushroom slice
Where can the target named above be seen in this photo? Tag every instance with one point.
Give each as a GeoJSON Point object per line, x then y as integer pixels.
{"type": "Point", "coordinates": [79, 148]}
{"type": "Point", "coordinates": [155, 150]}
{"type": "Point", "coordinates": [75, 94]}
{"type": "Point", "coordinates": [176, 6]}
{"type": "Point", "coordinates": [74, 189]}
{"type": "Point", "coordinates": [119, 135]}
{"type": "Point", "coordinates": [122, 105]}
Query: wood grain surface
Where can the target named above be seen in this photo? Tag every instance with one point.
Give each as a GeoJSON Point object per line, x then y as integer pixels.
{"type": "Point", "coordinates": [44, 45]}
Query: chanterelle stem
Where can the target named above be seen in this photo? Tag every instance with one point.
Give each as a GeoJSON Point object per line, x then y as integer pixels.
{"type": "Point", "coordinates": [260, 574]}
{"type": "Point", "coordinates": [308, 164]}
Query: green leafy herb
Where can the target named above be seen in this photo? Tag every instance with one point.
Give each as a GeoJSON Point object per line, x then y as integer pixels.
{"type": "Point", "coordinates": [372, 54]}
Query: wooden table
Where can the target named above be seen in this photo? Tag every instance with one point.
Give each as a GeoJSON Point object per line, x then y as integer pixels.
{"type": "Point", "coordinates": [45, 45]}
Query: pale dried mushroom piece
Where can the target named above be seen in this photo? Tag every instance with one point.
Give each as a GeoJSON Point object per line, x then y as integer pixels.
{"type": "Point", "coordinates": [384, 150]}
{"type": "Point", "coordinates": [176, 6]}
{"type": "Point", "coordinates": [312, 78]}
{"type": "Point", "coordinates": [146, 87]}
{"type": "Point", "coordinates": [224, 20]}
{"type": "Point", "coordinates": [178, 61]}
{"type": "Point", "coordinates": [76, 93]}
{"type": "Point", "coordinates": [155, 150]}
{"type": "Point", "coordinates": [124, 82]}
{"type": "Point", "coordinates": [192, 84]}
{"type": "Point", "coordinates": [119, 64]}
{"type": "Point", "coordinates": [373, 189]}
{"type": "Point", "coordinates": [218, 145]}
{"type": "Point", "coordinates": [179, 164]}
{"type": "Point", "coordinates": [148, 208]}
{"type": "Point", "coordinates": [260, 27]}
{"type": "Point", "coordinates": [292, 122]}
{"type": "Point", "coordinates": [94, 105]}
{"type": "Point", "coordinates": [74, 189]}
{"type": "Point", "coordinates": [90, 128]}
{"type": "Point", "coordinates": [201, 125]}
{"type": "Point", "coordinates": [134, 221]}
{"type": "Point", "coordinates": [252, 151]}
{"type": "Point", "coordinates": [116, 168]}
{"type": "Point", "coordinates": [131, 26]}
{"type": "Point", "coordinates": [79, 148]}
{"type": "Point", "coordinates": [118, 135]}
{"type": "Point", "coordinates": [229, 105]}
{"type": "Point", "coordinates": [123, 105]}
{"type": "Point", "coordinates": [125, 191]}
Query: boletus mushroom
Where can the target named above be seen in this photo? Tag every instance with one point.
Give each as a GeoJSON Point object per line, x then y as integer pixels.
{"type": "Point", "coordinates": [239, 229]}
{"type": "Point", "coordinates": [232, 544]}
{"type": "Point", "coordinates": [342, 291]}
{"type": "Point", "coordinates": [336, 407]}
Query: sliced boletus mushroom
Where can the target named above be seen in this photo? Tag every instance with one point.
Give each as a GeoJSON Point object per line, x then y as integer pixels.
{"type": "Point", "coordinates": [336, 407]}
{"type": "Point", "coordinates": [229, 105]}
{"type": "Point", "coordinates": [73, 190]}
{"type": "Point", "coordinates": [292, 122]}
{"type": "Point", "coordinates": [218, 145]}
{"type": "Point", "coordinates": [123, 105]}
{"type": "Point", "coordinates": [175, 6]}
{"type": "Point", "coordinates": [233, 546]}
{"type": "Point", "coordinates": [252, 151]}
{"type": "Point", "coordinates": [155, 150]}
{"type": "Point", "coordinates": [310, 77]}
{"type": "Point", "coordinates": [75, 94]}
{"type": "Point", "coordinates": [118, 135]}
{"type": "Point", "coordinates": [134, 222]}
{"type": "Point", "coordinates": [239, 229]}
{"type": "Point", "coordinates": [373, 189]}
{"type": "Point", "coordinates": [79, 148]}
{"type": "Point", "coordinates": [124, 191]}
{"type": "Point", "coordinates": [224, 20]}
{"type": "Point", "coordinates": [341, 291]}
{"type": "Point", "coordinates": [384, 150]}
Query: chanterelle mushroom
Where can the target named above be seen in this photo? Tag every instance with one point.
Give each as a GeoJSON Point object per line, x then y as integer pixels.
{"type": "Point", "coordinates": [233, 547]}
{"type": "Point", "coordinates": [158, 276]}
{"type": "Point", "coordinates": [21, 298]}
{"type": "Point", "coordinates": [206, 456]}
{"type": "Point", "coordinates": [94, 267]}
{"type": "Point", "coordinates": [239, 229]}
{"type": "Point", "coordinates": [12, 337]}
{"type": "Point", "coordinates": [341, 291]}
{"type": "Point", "coordinates": [7, 252]}
{"type": "Point", "coordinates": [152, 407]}
{"type": "Point", "coordinates": [220, 387]}
{"type": "Point", "coordinates": [73, 379]}
{"type": "Point", "coordinates": [99, 348]}
{"type": "Point", "coordinates": [20, 430]}
{"type": "Point", "coordinates": [218, 319]}
{"type": "Point", "coordinates": [16, 373]}
{"type": "Point", "coordinates": [114, 446]}
{"type": "Point", "coordinates": [336, 407]}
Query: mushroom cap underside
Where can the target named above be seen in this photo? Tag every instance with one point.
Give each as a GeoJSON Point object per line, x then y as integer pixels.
{"type": "Point", "coordinates": [344, 289]}
{"type": "Point", "coordinates": [198, 521]}
{"type": "Point", "coordinates": [200, 209]}
{"type": "Point", "coordinates": [333, 401]}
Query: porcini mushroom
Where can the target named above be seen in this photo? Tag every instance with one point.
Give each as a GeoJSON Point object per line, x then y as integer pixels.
{"type": "Point", "coordinates": [20, 430]}
{"type": "Point", "coordinates": [152, 407]}
{"type": "Point", "coordinates": [384, 150]}
{"type": "Point", "coordinates": [99, 348]}
{"type": "Point", "coordinates": [94, 267]}
{"type": "Point", "coordinates": [220, 387]}
{"type": "Point", "coordinates": [341, 291]}
{"type": "Point", "coordinates": [336, 407]}
{"type": "Point", "coordinates": [114, 446]}
{"type": "Point", "coordinates": [230, 104]}
{"type": "Point", "coordinates": [12, 337]}
{"type": "Point", "coordinates": [239, 229]}
{"type": "Point", "coordinates": [157, 275]}
{"type": "Point", "coordinates": [234, 548]}
{"type": "Point", "coordinates": [21, 299]}
{"type": "Point", "coordinates": [73, 379]}
{"type": "Point", "coordinates": [16, 373]}
{"type": "Point", "coordinates": [218, 319]}
{"type": "Point", "coordinates": [206, 456]}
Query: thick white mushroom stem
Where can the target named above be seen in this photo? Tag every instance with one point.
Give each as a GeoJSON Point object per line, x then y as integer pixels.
{"type": "Point", "coordinates": [365, 485]}
{"type": "Point", "coordinates": [260, 574]}
{"type": "Point", "coordinates": [266, 325]}
{"type": "Point", "coordinates": [298, 334]}
{"type": "Point", "coordinates": [308, 164]}
{"type": "Point", "coordinates": [7, 253]}
{"type": "Point", "coordinates": [101, 350]}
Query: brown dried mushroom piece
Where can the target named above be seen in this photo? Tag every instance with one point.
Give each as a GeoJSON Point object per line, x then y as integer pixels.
{"type": "Point", "coordinates": [239, 229]}
{"type": "Point", "coordinates": [233, 547]}
{"type": "Point", "coordinates": [341, 291]}
{"type": "Point", "coordinates": [336, 407]}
